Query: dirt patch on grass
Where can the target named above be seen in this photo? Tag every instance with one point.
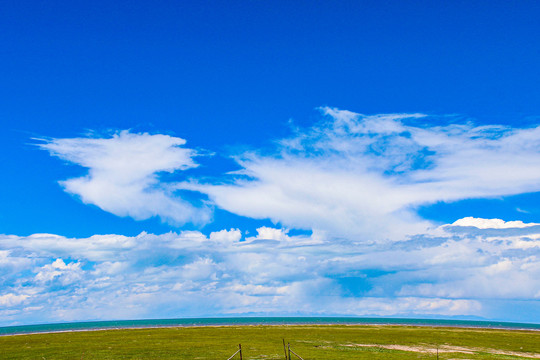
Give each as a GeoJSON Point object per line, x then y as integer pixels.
{"type": "Point", "coordinates": [448, 349]}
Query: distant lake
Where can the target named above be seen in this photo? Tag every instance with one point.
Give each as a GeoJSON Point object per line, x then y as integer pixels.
{"type": "Point", "coordinates": [118, 324]}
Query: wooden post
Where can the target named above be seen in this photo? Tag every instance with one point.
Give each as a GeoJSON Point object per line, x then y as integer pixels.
{"type": "Point", "coordinates": [289, 346]}
{"type": "Point", "coordinates": [437, 352]}
{"type": "Point", "coordinates": [240, 349]}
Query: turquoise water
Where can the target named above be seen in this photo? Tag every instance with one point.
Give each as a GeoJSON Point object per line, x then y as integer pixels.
{"type": "Point", "coordinates": [93, 325]}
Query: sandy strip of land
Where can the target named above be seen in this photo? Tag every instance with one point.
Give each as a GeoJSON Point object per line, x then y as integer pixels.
{"type": "Point", "coordinates": [448, 349]}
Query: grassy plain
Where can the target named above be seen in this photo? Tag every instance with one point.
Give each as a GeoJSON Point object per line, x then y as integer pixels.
{"type": "Point", "coordinates": [265, 342]}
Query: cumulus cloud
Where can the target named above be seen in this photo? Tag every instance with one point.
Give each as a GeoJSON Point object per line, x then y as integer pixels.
{"type": "Point", "coordinates": [9, 300]}
{"type": "Point", "coordinates": [64, 273]}
{"type": "Point", "coordinates": [226, 236]}
{"type": "Point", "coordinates": [123, 174]}
{"type": "Point", "coordinates": [491, 223]}
{"type": "Point", "coordinates": [441, 273]}
{"type": "Point", "coordinates": [268, 233]}
{"type": "Point", "coordinates": [362, 177]}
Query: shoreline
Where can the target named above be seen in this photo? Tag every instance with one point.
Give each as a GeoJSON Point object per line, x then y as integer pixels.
{"type": "Point", "coordinates": [299, 324]}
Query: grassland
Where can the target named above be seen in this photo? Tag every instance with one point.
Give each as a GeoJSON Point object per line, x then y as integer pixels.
{"type": "Point", "coordinates": [265, 342]}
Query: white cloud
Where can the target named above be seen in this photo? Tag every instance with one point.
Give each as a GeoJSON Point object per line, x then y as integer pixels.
{"type": "Point", "coordinates": [191, 274]}
{"type": "Point", "coordinates": [258, 290]}
{"type": "Point", "coordinates": [123, 174]}
{"type": "Point", "coordinates": [351, 175]}
{"type": "Point", "coordinates": [66, 274]}
{"type": "Point", "coordinates": [362, 177]}
{"type": "Point", "coordinates": [226, 236]}
{"type": "Point", "coordinates": [491, 223]}
{"type": "Point", "coordinates": [202, 268]}
{"type": "Point", "coordinates": [11, 262]}
{"type": "Point", "coordinates": [416, 306]}
{"type": "Point", "coordinates": [505, 279]}
{"type": "Point", "coordinates": [268, 233]}
{"type": "Point", "coordinates": [9, 300]}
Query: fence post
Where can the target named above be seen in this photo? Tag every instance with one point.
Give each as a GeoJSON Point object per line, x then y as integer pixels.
{"type": "Point", "coordinates": [285, 349]}
{"type": "Point", "coordinates": [289, 347]}
{"type": "Point", "coordinates": [240, 349]}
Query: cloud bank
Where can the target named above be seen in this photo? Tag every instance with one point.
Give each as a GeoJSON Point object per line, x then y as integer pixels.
{"type": "Point", "coordinates": [449, 272]}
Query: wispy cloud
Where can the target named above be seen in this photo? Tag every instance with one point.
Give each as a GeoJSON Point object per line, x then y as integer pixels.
{"type": "Point", "coordinates": [444, 273]}
{"type": "Point", "coordinates": [351, 175]}
{"type": "Point", "coordinates": [362, 177]}
{"type": "Point", "coordinates": [123, 174]}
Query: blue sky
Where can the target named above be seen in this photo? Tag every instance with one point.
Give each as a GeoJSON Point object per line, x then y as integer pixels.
{"type": "Point", "coordinates": [185, 154]}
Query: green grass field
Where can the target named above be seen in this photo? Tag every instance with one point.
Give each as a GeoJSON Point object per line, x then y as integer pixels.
{"type": "Point", "coordinates": [265, 342]}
